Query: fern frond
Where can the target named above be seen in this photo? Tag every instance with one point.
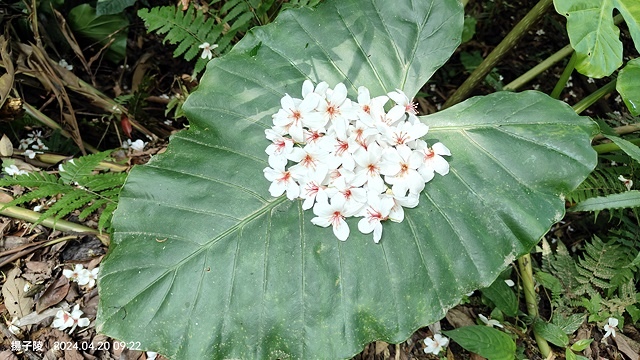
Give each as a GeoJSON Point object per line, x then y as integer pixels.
{"type": "Point", "coordinates": [72, 200]}
{"type": "Point", "coordinates": [107, 214]}
{"type": "Point", "coordinates": [101, 182]}
{"type": "Point", "coordinates": [76, 187]}
{"type": "Point", "coordinates": [188, 29]}
{"type": "Point", "coordinates": [81, 167]}
{"type": "Point", "coordinates": [602, 263]}
{"type": "Point", "coordinates": [601, 182]}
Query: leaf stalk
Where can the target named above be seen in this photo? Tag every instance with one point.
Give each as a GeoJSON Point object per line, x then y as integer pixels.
{"type": "Point", "coordinates": [526, 272]}
{"type": "Point", "coordinates": [508, 43]}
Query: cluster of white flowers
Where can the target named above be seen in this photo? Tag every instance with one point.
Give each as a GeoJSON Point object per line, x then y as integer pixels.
{"type": "Point", "coordinates": [65, 319]}
{"type": "Point", "coordinates": [33, 137]}
{"type": "Point", "coordinates": [351, 158]}
{"type": "Point", "coordinates": [82, 276]}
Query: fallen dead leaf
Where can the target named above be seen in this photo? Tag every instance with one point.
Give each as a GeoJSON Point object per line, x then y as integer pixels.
{"type": "Point", "coordinates": [13, 293]}
{"type": "Point", "coordinates": [55, 293]}
{"type": "Point", "coordinates": [381, 346]}
{"type": "Point", "coordinates": [8, 355]}
{"type": "Point", "coordinates": [460, 316]}
{"type": "Point", "coordinates": [628, 346]}
{"type": "Point", "coordinates": [37, 318]}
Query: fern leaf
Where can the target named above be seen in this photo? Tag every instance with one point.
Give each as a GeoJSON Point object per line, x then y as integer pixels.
{"type": "Point", "coordinates": [66, 204]}
{"type": "Point", "coordinates": [36, 179]}
{"type": "Point", "coordinates": [601, 182]}
{"type": "Point", "coordinates": [102, 182]}
{"type": "Point", "coordinates": [84, 166]}
{"type": "Point", "coordinates": [97, 204]}
{"type": "Point", "coordinates": [105, 218]}
{"type": "Point", "coordinates": [188, 29]}
{"type": "Point", "coordinates": [627, 199]}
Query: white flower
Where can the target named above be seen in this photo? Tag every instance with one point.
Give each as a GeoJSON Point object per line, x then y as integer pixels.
{"type": "Point", "coordinates": [14, 326]}
{"type": "Point", "coordinates": [404, 132]}
{"type": "Point", "coordinates": [88, 278]}
{"type": "Point", "coordinates": [435, 345]}
{"type": "Point", "coordinates": [490, 323]}
{"type": "Point", "coordinates": [337, 109]}
{"type": "Point", "coordinates": [65, 65]}
{"type": "Point", "coordinates": [610, 328]}
{"type": "Point", "coordinates": [64, 319]}
{"type": "Point", "coordinates": [377, 210]}
{"type": "Point", "coordinates": [13, 170]}
{"type": "Point", "coordinates": [137, 145]}
{"type": "Point", "coordinates": [35, 134]}
{"type": "Point", "coordinates": [400, 166]}
{"type": "Point", "coordinates": [540, 32]}
{"type": "Point", "coordinates": [333, 214]}
{"type": "Point", "coordinates": [403, 106]}
{"type": "Point", "coordinates": [628, 183]}
{"type": "Point", "coordinates": [24, 143]}
{"type": "Point", "coordinates": [432, 159]}
{"type": "Point", "coordinates": [39, 145]}
{"type": "Point", "coordinates": [74, 274]}
{"type": "Point", "coordinates": [206, 50]}
{"type": "Point", "coordinates": [31, 154]}
{"type": "Point", "coordinates": [281, 181]}
{"type": "Point", "coordinates": [296, 113]}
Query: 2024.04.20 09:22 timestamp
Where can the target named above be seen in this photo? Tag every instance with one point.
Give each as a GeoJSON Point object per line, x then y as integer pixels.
{"type": "Point", "coordinates": [116, 345]}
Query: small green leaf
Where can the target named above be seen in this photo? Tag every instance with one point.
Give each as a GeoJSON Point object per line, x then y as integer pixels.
{"type": "Point", "coordinates": [484, 341]}
{"type": "Point", "coordinates": [569, 355]}
{"type": "Point", "coordinates": [634, 311]}
{"type": "Point", "coordinates": [581, 344]}
{"type": "Point", "coordinates": [628, 147]}
{"type": "Point", "coordinates": [593, 34]}
{"type": "Point", "coordinates": [549, 281]}
{"type": "Point", "coordinates": [502, 297]}
{"type": "Point", "coordinates": [627, 199]}
{"type": "Point", "coordinates": [629, 87]}
{"type": "Point", "coordinates": [469, 28]}
{"type": "Point", "coordinates": [570, 323]}
{"type": "Point", "coordinates": [551, 332]}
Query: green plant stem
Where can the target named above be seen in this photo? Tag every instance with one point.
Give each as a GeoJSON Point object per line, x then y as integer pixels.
{"type": "Point", "coordinates": [564, 78]}
{"type": "Point", "coordinates": [62, 225]}
{"type": "Point", "coordinates": [538, 69]}
{"type": "Point", "coordinates": [500, 51]}
{"type": "Point", "coordinates": [610, 147]}
{"type": "Point", "coordinates": [621, 130]}
{"type": "Point", "coordinates": [526, 272]}
{"type": "Point", "coordinates": [583, 104]}
{"type": "Point", "coordinates": [52, 159]}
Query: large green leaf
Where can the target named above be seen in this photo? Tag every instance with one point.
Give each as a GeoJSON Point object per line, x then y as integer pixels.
{"type": "Point", "coordinates": [593, 34]}
{"type": "Point", "coordinates": [205, 264]}
{"type": "Point", "coordinates": [102, 29]}
{"type": "Point", "coordinates": [628, 85]}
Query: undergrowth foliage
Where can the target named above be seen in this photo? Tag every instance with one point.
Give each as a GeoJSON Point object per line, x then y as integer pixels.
{"type": "Point", "coordinates": [76, 187]}
{"type": "Point", "coordinates": [606, 268]}
{"type": "Point", "coordinates": [214, 25]}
